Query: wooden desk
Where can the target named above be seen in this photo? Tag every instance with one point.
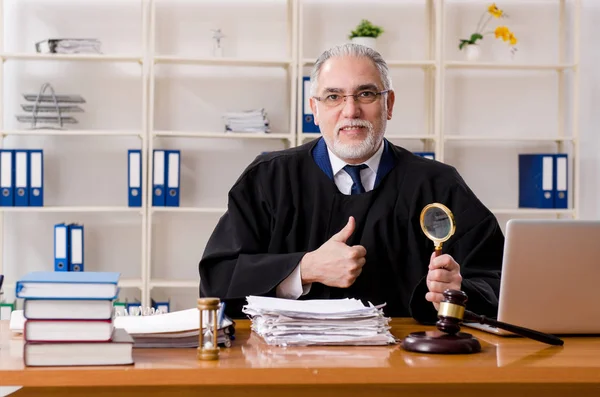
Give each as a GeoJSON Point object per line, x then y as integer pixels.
{"type": "Point", "coordinates": [505, 367]}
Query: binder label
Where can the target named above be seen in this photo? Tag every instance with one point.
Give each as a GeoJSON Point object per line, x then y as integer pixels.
{"type": "Point", "coordinates": [6, 169]}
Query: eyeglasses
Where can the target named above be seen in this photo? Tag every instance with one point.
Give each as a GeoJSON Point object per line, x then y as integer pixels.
{"type": "Point", "coordinates": [364, 97]}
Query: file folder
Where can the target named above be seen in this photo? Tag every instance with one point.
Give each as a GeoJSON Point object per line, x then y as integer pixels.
{"type": "Point", "coordinates": [173, 168]}
{"type": "Point", "coordinates": [76, 243]}
{"type": "Point", "coordinates": [158, 179]}
{"type": "Point", "coordinates": [427, 155]}
{"type": "Point", "coordinates": [134, 164]}
{"type": "Point", "coordinates": [536, 180]}
{"type": "Point", "coordinates": [160, 306]}
{"type": "Point", "coordinates": [308, 121]}
{"type": "Point", "coordinates": [36, 180]}
{"type": "Point", "coordinates": [561, 181]}
{"type": "Point", "coordinates": [21, 178]}
{"type": "Point", "coordinates": [7, 177]}
{"type": "Point", "coordinates": [61, 248]}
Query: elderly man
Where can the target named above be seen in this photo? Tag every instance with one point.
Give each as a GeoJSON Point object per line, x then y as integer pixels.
{"type": "Point", "coordinates": [339, 216]}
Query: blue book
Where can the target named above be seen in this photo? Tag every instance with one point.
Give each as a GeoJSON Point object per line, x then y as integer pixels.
{"type": "Point", "coordinates": [68, 285]}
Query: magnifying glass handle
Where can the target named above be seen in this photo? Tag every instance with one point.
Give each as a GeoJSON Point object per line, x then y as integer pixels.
{"type": "Point", "coordinates": [437, 252]}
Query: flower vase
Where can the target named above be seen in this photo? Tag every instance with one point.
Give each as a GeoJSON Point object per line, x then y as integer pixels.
{"type": "Point", "coordinates": [370, 42]}
{"type": "Point", "coordinates": [472, 52]}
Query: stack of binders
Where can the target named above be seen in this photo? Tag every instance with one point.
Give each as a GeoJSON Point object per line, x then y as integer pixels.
{"type": "Point", "coordinates": [21, 178]}
{"type": "Point", "coordinates": [69, 320]}
{"type": "Point", "coordinates": [165, 178]}
{"type": "Point", "coordinates": [68, 247]}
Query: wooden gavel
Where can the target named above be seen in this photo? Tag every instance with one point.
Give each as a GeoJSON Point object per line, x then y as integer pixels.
{"type": "Point", "coordinates": [452, 312]}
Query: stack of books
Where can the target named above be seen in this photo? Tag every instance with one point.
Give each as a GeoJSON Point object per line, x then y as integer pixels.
{"type": "Point", "coordinates": [284, 322]}
{"type": "Point", "coordinates": [247, 121]}
{"type": "Point", "coordinates": [69, 319]}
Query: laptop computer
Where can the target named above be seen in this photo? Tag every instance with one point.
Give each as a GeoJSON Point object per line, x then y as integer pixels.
{"type": "Point", "coordinates": [550, 276]}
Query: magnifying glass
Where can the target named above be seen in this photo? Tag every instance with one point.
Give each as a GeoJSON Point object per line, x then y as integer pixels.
{"type": "Point", "coordinates": [438, 224]}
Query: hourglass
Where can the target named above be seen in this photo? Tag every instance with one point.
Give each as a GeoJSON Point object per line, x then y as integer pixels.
{"type": "Point", "coordinates": [207, 337]}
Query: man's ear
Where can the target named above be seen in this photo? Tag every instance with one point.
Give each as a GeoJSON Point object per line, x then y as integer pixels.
{"type": "Point", "coordinates": [391, 98]}
{"type": "Point", "coordinates": [315, 110]}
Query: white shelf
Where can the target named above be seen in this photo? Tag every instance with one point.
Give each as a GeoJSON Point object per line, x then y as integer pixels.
{"type": "Point", "coordinates": [531, 211]}
{"type": "Point", "coordinates": [390, 63]}
{"type": "Point", "coordinates": [206, 210]}
{"type": "Point", "coordinates": [172, 59]}
{"type": "Point", "coordinates": [173, 284]}
{"type": "Point", "coordinates": [507, 138]}
{"type": "Point", "coordinates": [72, 209]}
{"type": "Point", "coordinates": [70, 57]}
{"type": "Point", "coordinates": [223, 135]}
{"type": "Point", "coordinates": [51, 132]}
{"type": "Point", "coordinates": [506, 66]}
{"type": "Point", "coordinates": [130, 283]}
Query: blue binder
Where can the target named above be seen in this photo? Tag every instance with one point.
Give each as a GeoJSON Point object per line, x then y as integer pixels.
{"type": "Point", "coordinates": [536, 180]}
{"type": "Point", "coordinates": [158, 178]}
{"type": "Point", "coordinates": [61, 247]}
{"type": "Point", "coordinates": [36, 178]}
{"type": "Point", "coordinates": [561, 179]}
{"type": "Point", "coordinates": [427, 155]}
{"type": "Point", "coordinates": [21, 165]}
{"type": "Point", "coordinates": [308, 121]}
{"type": "Point", "coordinates": [134, 179]}
{"type": "Point", "coordinates": [162, 306]}
{"type": "Point", "coordinates": [7, 178]}
{"type": "Point", "coordinates": [173, 178]}
{"type": "Point", "coordinates": [76, 244]}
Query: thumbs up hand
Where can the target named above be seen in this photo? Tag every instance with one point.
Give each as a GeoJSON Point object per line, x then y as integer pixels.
{"type": "Point", "coordinates": [334, 263]}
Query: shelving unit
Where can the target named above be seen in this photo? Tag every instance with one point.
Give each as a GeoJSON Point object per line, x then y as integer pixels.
{"type": "Point", "coordinates": [433, 132]}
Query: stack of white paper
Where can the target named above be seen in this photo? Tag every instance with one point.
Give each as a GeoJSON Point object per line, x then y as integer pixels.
{"type": "Point", "coordinates": [247, 121]}
{"type": "Point", "coordinates": [285, 322]}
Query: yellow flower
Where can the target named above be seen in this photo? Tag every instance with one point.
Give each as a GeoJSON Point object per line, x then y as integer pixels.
{"type": "Point", "coordinates": [495, 11]}
{"type": "Point", "coordinates": [502, 32]}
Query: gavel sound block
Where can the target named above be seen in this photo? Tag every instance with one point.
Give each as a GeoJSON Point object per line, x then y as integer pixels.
{"type": "Point", "coordinates": [449, 340]}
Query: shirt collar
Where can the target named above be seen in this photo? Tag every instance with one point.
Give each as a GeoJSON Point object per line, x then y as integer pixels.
{"type": "Point", "coordinates": [373, 162]}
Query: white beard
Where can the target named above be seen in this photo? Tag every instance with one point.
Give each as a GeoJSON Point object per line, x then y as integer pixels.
{"type": "Point", "coordinates": [357, 150]}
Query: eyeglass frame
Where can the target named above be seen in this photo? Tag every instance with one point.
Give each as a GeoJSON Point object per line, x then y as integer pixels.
{"type": "Point", "coordinates": [355, 96]}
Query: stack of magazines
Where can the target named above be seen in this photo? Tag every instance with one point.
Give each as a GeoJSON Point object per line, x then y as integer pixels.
{"type": "Point", "coordinates": [247, 121]}
{"type": "Point", "coordinates": [284, 322]}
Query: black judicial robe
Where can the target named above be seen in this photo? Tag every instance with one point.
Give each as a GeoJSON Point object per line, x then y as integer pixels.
{"type": "Point", "coordinates": [286, 204]}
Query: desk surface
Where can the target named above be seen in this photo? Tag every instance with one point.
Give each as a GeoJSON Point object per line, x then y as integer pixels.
{"type": "Point", "coordinates": [503, 360]}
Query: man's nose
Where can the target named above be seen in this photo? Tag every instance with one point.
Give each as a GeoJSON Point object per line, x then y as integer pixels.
{"type": "Point", "coordinates": [350, 108]}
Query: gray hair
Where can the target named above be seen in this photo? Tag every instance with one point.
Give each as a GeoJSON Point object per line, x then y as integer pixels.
{"type": "Point", "coordinates": [356, 50]}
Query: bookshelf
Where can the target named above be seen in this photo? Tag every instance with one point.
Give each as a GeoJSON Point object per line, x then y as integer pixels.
{"type": "Point", "coordinates": [183, 92]}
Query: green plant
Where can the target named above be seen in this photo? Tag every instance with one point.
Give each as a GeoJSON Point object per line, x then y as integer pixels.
{"type": "Point", "coordinates": [366, 29]}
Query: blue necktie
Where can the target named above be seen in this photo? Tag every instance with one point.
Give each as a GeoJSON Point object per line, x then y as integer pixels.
{"type": "Point", "coordinates": [354, 172]}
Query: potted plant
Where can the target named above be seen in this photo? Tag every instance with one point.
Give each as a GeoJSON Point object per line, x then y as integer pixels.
{"type": "Point", "coordinates": [470, 45]}
{"type": "Point", "coordinates": [366, 34]}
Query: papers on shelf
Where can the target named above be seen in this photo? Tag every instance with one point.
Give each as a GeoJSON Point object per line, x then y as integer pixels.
{"type": "Point", "coordinates": [247, 121]}
{"type": "Point", "coordinates": [285, 322]}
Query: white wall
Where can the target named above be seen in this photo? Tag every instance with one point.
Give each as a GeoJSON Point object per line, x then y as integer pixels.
{"type": "Point", "coordinates": [91, 170]}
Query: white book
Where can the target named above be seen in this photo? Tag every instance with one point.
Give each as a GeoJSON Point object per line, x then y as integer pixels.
{"type": "Point", "coordinates": [119, 351]}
